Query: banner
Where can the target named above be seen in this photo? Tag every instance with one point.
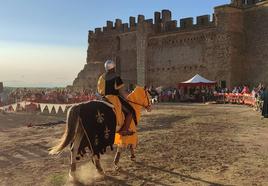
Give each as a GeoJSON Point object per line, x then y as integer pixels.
{"type": "Point", "coordinates": [14, 107]}
{"type": "Point", "coordinates": [57, 106]}
{"type": "Point", "coordinates": [22, 104]}
{"type": "Point", "coordinates": [50, 107]}
{"type": "Point", "coordinates": [42, 106]}
{"type": "Point", "coordinates": [63, 107]}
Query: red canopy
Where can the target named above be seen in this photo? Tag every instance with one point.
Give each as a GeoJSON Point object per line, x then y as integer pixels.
{"type": "Point", "coordinates": [197, 80]}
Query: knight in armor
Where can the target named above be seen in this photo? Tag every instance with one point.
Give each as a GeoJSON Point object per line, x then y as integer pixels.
{"type": "Point", "coordinates": [111, 87]}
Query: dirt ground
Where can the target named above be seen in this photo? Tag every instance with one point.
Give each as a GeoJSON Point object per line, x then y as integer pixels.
{"type": "Point", "coordinates": [179, 144]}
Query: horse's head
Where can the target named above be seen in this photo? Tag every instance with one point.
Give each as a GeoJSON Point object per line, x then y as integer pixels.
{"type": "Point", "coordinates": [142, 97]}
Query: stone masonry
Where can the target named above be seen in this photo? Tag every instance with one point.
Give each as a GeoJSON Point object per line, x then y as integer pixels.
{"type": "Point", "coordinates": [231, 48]}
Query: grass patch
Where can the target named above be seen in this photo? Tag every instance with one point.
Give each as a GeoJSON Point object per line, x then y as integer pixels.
{"type": "Point", "coordinates": [57, 179]}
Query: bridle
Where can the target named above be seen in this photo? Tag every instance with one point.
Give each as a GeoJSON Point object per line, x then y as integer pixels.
{"type": "Point", "coordinates": [148, 101]}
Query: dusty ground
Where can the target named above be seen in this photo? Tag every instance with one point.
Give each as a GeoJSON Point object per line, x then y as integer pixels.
{"type": "Point", "coordinates": [180, 144]}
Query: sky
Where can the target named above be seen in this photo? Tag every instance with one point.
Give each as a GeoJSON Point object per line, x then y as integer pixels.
{"type": "Point", "coordinates": [43, 43]}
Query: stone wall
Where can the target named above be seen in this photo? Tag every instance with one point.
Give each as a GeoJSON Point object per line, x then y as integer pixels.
{"type": "Point", "coordinates": [127, 57]}
{"type": "Point", "coordinates": [256, 50]}
{"type": "Point", "coordinates": [88, 77]}
{"type": "Point", "coordinates": [229, 21]}
{"type": "Point", "coordinates": [116, 42]}
{"type": "Point", "coordinates": [179, 56]}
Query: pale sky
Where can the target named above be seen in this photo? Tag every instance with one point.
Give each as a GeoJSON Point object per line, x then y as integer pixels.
{"type": "Point", "coordinates": [44, 42]}
{"type": "Point", "coordinates": [24, 64]}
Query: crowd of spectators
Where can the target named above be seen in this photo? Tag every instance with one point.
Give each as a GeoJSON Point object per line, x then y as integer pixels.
{"type": "Point", "coordinates": [192, 94]}
{"type": "Point", "coordinates": [49, 95]}
{"type": "Point", "coordinates": [169, 95]}
{"type": "Point", "coordinates": [202, 93]}
{"type": "Point", "coordinates": [68, 96]}
{"type": "Point", "coordinates": [255, 92]}
{"type": "Point", "coordinates": [243, 94]}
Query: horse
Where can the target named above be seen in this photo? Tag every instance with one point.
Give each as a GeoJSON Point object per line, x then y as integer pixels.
{"type": "Point", "coordinates": [91, 127]}
{"type": "Point", "coordinates": [129, 141]}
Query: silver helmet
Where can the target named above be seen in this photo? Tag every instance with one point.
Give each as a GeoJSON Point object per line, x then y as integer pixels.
{"type": "Point", "coordinates": [109, 64]}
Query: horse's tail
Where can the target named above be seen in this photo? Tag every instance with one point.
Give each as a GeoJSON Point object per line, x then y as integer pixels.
{"type": "Point", "coordinates": [70, 130]}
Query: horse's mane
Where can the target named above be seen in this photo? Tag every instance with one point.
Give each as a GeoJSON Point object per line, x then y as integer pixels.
{"type": "Point", "coordinates": [136, 93]}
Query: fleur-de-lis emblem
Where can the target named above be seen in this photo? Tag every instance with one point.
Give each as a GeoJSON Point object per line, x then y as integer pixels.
{"type": "Point", "coordinates": [96, 140]}
{"type": "Point", "coordinates": [100, 117]}
{"type": "Point", "coordinates": [106, 133]}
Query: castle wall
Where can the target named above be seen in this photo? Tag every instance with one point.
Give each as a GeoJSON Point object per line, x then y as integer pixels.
{"type": "Point", "coordinates": [230, 48]}
{"type": "Point", "coordinates": [88, 77]}
{"type": "Point", "coordinates": [117, 43]}
{"type": "Point", "coordinates": [179, 56]}
{"type": "Point", "coordinates": [256, 50]}
{"type": "Point", "coordinates": [127, 57]}
{"type": "Point", "coordinates": [102, 47]}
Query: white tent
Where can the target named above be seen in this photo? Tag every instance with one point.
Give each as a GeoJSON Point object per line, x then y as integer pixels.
{"type": "Point", "coordinates": [197, 80]}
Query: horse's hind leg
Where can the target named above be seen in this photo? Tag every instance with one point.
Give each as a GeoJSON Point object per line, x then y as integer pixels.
{"type": "Point", "coordinates": [74, 149]}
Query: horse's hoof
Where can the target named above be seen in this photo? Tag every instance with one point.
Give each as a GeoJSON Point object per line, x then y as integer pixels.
{"type": "Point", "coordinates": [72, 177]}
{"type": "Point", "coordinates": [133, 158]}
{"type": "Point", "coordinates": [101, 172]}
{"type": "Point", "coordinates": [116, 167]}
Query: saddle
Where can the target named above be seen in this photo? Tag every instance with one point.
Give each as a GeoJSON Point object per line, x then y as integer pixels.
{"type": "Point", "coordinates": [119, 106]}
{"type": "Point", "coordinates": [105, 101]}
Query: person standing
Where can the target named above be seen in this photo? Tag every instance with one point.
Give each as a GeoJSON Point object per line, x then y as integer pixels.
{"type": "Point", "coordinates": [265, 103]}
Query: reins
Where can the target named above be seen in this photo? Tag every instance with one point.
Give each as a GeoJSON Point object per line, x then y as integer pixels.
{"type": "Point", "coordinates": [139, 103]}
{"type": "Point", "coordinates": [136, 103]}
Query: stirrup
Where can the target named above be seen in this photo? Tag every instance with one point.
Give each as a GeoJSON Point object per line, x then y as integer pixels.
{"type": "Point", "coordinates": [126, 133]}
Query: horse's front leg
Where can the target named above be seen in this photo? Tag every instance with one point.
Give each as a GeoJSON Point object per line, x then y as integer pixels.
{"type": "Point", "coordinates": [98, 165]}
{"type": "Point", "coordinates": [117, 158]}
{"type": "Point", "coordinates": [74, 150]}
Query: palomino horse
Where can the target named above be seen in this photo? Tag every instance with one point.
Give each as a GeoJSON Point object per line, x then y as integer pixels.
{"type": "Point", "coordinates": [91, 127]}
{"type": "Point", "coordinates": [130, 141]}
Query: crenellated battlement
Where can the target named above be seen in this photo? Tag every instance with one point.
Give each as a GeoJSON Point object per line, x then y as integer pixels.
{"type": "Point", "coordinates": [161, 23]}
{"type": "Point", "coordinates": [245, 3]}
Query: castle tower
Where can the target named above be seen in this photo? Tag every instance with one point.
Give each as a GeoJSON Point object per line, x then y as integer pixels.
{"type": "Point", "coordinates": [144, 28]}
{"type": "Point", "coordinates": [230, 27]}
{"type": "Point", "coordinates": [256, 42]}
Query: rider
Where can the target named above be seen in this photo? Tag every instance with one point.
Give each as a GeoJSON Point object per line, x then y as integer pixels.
{"type": "Point", "coordinates": [111, 86]}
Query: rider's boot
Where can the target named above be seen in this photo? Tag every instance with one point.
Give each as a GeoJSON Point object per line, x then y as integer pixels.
{"type": "Point", "coordinates": [125, 129]}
